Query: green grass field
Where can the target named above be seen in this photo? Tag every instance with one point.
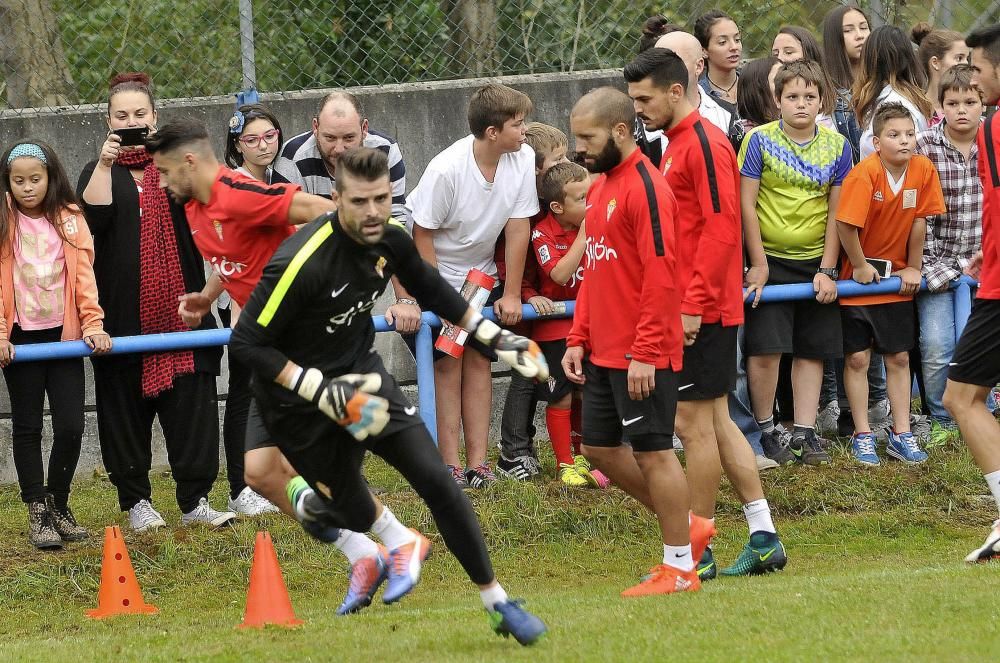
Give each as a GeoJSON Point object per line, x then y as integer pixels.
{"type": "Point", "coordinates": [875, 573]}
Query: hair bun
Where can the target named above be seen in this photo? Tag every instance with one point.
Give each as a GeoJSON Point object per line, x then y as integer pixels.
{"type": "Point", "coordinates": [919, 31]}
{"type": "Point", "coordinates": [140, 77]}
{"type": "Point", "coordinates": [654, 25]}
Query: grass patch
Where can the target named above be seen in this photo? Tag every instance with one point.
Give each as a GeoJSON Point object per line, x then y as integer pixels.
{"type": "Point", "coordinates": [875, 572]}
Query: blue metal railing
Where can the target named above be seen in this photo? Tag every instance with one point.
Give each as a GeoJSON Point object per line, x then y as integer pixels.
{"type": "Point", "coordinates": [424, 348]}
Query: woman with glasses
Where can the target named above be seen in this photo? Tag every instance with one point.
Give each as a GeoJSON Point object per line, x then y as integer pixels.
{"type": "Point", "coordinates": [253, 143]}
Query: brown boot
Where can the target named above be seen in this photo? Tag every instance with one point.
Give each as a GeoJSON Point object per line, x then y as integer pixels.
{"type": "Point", "coordinates": [41, 533]}
{"type": "Point", "coordinates": [64, 523]}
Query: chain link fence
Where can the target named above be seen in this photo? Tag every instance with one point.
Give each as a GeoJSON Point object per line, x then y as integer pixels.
{"type": "Point", "coordinates": [61, 53]}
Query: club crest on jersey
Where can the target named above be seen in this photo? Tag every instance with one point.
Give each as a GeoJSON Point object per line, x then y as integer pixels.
{"type": "Point", "coordinates": [380, 266]}
{"type": "Point", "coordinates": [218, 227]}
{"type": "Point", "coordinates": [612, 204]}
{"type": "Point", "coordinates": [666, 164]}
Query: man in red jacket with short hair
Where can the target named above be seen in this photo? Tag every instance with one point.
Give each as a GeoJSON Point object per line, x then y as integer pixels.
{"type": "Point", "coordinates": [700, 166]}
{"type": "Point", "coordinates": [627, 322]}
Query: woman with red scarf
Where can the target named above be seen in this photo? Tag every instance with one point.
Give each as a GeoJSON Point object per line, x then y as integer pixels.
{"type": "Point", "coordinates": [144, 260]}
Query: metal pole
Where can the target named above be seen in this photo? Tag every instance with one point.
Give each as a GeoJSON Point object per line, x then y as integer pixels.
{"type": "Point", "coordinates": [247, 56]}
{"type": "Point", "coordinates": [426, 396]}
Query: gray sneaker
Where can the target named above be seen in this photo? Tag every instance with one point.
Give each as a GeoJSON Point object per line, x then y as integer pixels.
{"type": "Point", "coordinates": [204, 513]}
{"type": "Point", "coordinates": [143, 517]}
{"type": "Point", "coordinates": [878, 415]}
{"type": "Point", "coordinates": [765, 463]}
{"type": "Point", "coordinates": [920, 426]}
{"type": "Point", "coordinates": [826, 420]}
{"type": "Point", "coordinates": [64, 523]}
{"type": "Point", "coordinates": [251, 503]}
{"type": "Point", "coordinates": [41, 533]}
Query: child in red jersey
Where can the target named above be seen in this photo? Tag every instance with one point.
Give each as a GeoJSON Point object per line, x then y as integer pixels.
{"type": "Point", "coordinates": [559, 245]}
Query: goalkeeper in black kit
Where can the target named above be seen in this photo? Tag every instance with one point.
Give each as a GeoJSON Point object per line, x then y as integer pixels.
{"type": "Point", "coordinates": [325, 396]}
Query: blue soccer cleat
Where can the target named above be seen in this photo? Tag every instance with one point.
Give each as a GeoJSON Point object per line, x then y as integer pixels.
{"type": "Point", "coordinates": [405, 563]}
{"type": "Point", "coordinates": [366, 576]}
{"type": "Point", "coordinates": [510, 619]}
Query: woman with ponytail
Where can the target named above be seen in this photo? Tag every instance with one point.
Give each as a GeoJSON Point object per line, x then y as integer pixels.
{"type": "Point", "coordinates": [937, 52]}
{"type": "Point", "coordinates": [144, 260]}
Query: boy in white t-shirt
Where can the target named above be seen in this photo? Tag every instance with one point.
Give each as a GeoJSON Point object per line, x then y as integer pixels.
{"type": "Point", "coordinates": [480, 186]}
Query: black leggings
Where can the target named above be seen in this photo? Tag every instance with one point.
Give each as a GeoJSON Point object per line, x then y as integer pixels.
{"type": "Point", "coordinates": [27, 383]}
{"type": "Point", "coordinates": [234, 424]}
{"type": "Point", "coordinates": [330, 460]}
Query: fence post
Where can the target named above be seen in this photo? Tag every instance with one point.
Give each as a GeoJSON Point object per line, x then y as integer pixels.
{"type": "Point", "coordinates": [425, 379]}
{"type": "Point", "coordinates": [963, 307]}
{"type": "Point", "coordinates": [247, 56]}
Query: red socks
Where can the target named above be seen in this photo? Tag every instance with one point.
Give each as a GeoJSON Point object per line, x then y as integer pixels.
{"type": "Point", "coordinates": [576, 417]}
{"type": "Point", "coordinates": [558, 423]}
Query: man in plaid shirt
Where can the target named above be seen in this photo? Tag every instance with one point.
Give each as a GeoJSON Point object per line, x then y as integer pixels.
{"type": "Point", "coordinates": [952, 237]}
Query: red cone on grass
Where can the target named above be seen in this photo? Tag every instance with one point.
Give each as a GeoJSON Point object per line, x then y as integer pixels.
{"type": "Point", "coordinates": [119, 593]}
{"type": "Point", "coordinates": [267, 596]}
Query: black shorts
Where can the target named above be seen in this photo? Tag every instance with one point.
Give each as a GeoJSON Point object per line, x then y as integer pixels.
{"type": "Point", "coordinates": [804, 328]}
{"type": "Point", "coordinates": [709, 364]}
{"type": "Point", "coordinates": [558, 384]}
{"type": "Point", "coordinates": [885, 328]}
{"type": "Point", "coordinates": [257, 436]}
{"type": "Point", "coordinates": [293, 425]}
{"type": "Point", "coordinates": [976, 359]}
{"type": "Point", "coordinates": [610, 417]}
{"type": "Point", "coordinates": [470, 343]}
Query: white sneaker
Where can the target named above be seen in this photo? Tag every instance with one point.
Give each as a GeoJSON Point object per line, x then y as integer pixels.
{"type": "Point", "coordinates": [203, 513]}
{"type": "Point", "coordinates": [251, 503]}
{"type": "Point", "coordinates": [143, 516]}
{"type": "Point", "coordinates": [765, 463]}
{"type": "Point", "coordinates": [990, 550]}
{"type": "Point", "coordinates": [678, 445]}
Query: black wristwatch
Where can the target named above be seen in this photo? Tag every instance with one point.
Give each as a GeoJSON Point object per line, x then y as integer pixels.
{"type": "Point", "coordinates": [832, 272]}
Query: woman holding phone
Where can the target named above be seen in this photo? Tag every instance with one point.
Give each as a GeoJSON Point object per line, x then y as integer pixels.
{"type": "Point", "coordinates": [144, 260]}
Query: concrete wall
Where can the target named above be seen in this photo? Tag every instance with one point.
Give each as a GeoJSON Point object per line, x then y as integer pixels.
{"type": "Point", "coordinates": [423, 117]}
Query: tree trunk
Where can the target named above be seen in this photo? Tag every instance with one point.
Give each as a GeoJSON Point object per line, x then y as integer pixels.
{"type": "Point", "coordinates": [31, 55]}
{"type": "Point", "coordinates": [473, 28]}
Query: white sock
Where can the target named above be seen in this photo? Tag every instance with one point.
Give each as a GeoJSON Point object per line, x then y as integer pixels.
{"type": "Point", "coordinates": [392, 532]}
{"type": "Point", "coordinates": [758, 515]}
{"type": "Point", "coordinates": [492, 595]}
{"type": "Point", "coordinates": [678, 557]}
{"type": "Point", "coordinates": [993, 481]}
{"type": "Point", "coordinates": [355, 546]}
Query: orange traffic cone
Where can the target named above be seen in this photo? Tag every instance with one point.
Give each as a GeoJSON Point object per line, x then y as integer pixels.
{"type": "Point", "coordinates": [119, 593]}
{"type": "Point", "coordinates": [267, 597]}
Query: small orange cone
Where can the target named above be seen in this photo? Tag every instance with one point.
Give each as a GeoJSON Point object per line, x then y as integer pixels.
{"type": "Point", "coordinates": [119, 593]}
{"type": "Point", "coordinates": [267, 597]}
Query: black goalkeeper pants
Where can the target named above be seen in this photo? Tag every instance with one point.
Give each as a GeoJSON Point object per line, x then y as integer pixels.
{"type": "Point", "coordinates": [330, 460]}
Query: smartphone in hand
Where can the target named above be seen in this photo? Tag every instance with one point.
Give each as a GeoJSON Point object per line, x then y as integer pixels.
{"type": "Point", "coordinates": [132, 136]}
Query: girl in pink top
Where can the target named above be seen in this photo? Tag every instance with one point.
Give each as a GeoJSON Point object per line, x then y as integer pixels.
{"type": "Point", "coordinates": [47, 294]}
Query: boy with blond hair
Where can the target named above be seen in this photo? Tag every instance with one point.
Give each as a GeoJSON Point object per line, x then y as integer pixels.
{"type": "Point", "coordinates": [518, 458]}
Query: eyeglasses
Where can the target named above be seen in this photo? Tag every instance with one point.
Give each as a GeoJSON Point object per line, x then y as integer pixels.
{"type": "Point", "coordinates": [253, 140]}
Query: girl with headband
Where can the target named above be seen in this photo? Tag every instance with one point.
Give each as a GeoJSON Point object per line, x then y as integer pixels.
{"type": "Point", "coordinates": [48, 294]}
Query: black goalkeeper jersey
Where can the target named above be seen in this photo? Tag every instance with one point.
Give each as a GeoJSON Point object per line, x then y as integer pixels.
{"type": "Point", "coordinates": [313, 303]}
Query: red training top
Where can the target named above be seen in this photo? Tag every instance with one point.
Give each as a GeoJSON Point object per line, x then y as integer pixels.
{"type": "Point", "coordinates": [989, 173]}
{"type": "Point", "coordinates": [240, 228]}
{"type": "Point", "coordinates": [628, 306]}
{"type": "Point", "coordinates": [550, 242]}
{"type": "Point", "coordinates": [701, 169]}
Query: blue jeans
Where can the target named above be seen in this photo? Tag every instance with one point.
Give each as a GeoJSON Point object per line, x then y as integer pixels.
{"type": "Point", "coordinates": [739, 401]}
{"type": "Point", "coordinates": [936, 313]}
